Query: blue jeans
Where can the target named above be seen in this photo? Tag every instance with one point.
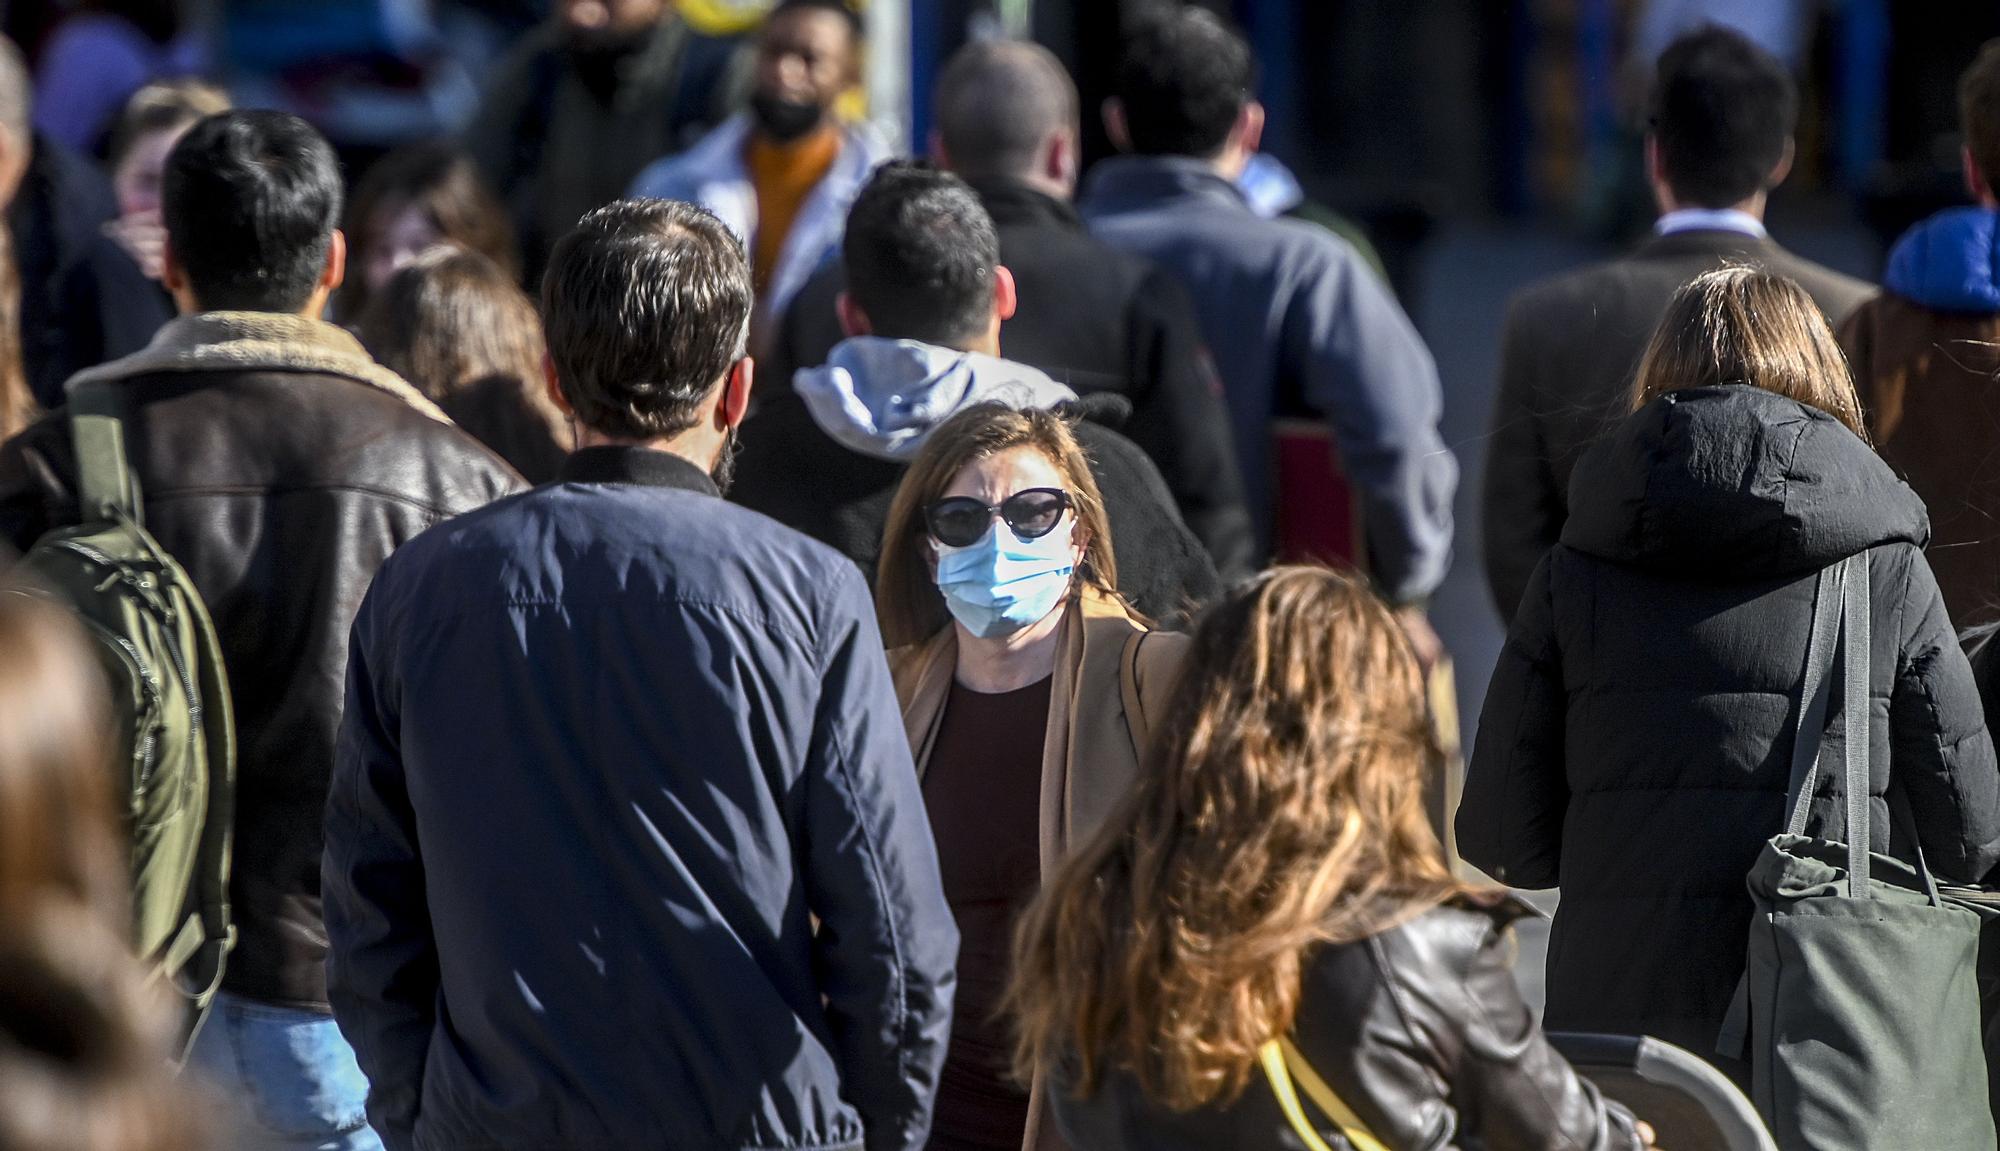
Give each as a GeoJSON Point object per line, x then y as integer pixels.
{"type": "Point", "coordinates": [291, 1073]}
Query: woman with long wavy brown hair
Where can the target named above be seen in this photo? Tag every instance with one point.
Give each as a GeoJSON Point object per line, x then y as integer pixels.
{"type": "Point", "coordinates": [84, 1035]}
{"type": "Point", "coordinates": [1274, 876]}
{"type": "Point", "coordinates": [17, 403]}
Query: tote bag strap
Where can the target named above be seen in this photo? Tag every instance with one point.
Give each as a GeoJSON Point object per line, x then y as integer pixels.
{"type": "Point", "coordinates": [1283, 1066]}
{"type": "Point", "coordinates": [1855, 671]}
{"type": "Point", "coordinates": [1814, 694]}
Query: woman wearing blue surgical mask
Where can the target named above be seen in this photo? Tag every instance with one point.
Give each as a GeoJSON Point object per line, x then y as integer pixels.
{"type": "Point", "coordinates": [1026, 686]}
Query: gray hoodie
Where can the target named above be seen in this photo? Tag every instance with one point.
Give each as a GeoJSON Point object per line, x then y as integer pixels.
{"type": "Point", "coordinates": [883, 398]}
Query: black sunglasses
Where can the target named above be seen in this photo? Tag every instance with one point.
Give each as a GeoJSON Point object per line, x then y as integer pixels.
{"type": "Point", "coordinates": [961, 521]}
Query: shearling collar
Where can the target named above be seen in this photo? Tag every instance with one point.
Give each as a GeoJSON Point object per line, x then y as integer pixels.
{"type": "Point", "coordinates": [258, 342]}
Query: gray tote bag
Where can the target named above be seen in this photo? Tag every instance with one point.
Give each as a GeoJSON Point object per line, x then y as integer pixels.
{"type": "Point", "coordinates": [1860, 1006]}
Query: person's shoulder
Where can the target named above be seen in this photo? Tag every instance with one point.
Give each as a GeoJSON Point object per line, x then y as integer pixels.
{"type": "Point", "coordinates": [1450, 936]}
{"type": "Point", "coordinates": [1837, 293]}
{"type": "Point", "coordinates": [679, 175]}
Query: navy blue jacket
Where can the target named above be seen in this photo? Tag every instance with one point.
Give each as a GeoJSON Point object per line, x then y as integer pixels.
{"type": "Point", "coordinates": [1294, 316]}
{"type": "Point", "coordinates": [609, 747]}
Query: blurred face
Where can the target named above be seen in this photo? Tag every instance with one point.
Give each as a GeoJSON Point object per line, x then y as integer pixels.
{"type": "Point", "coordinates": [397, 236]}
{"type": "Point", "coordinates": [136, 182]}
{"type": "Point", "coordinates": [805, 60]}
{"type": "Point", "coordinates": [597, 23]}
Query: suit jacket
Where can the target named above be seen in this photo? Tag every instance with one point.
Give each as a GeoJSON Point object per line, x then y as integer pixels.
{"type": "Point", "coordinates": [1568, 352]}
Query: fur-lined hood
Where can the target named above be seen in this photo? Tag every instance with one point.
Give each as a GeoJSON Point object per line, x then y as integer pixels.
{"type": "Point", "coordinates": [259, 342]}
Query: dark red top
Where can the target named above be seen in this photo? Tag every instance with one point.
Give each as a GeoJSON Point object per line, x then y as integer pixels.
{"type": "Point", "coordinates": [983, 790]}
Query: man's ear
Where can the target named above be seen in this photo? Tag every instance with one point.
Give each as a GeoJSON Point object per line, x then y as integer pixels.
{"type": "Point", "coordinates": [1656, 172]}
{"type": "Point", "coordinates": [1114, 124]}
{"type": "Point", "coordinates": [936, 148]}
{"type": "Point", "coordinates": [1976, 185]}
{"type": "Point", "coordinates": [735, 401]}
{"type": "Point", "coordinates": [335, 269]}
{"type": "Point", "coordinates": [1249, 129]}
{"type": "Point", "coordinates": [173, 277]}
{"type": "Point", "coordinates": [853, 321]}
{"type": "Point", "coordinates": [1784, 167]}
{"type": "Point", "coordinates": [1059, 157]}
{"type": "Point", "coordinates": [1006, 296]}
{"type": "Point", "coordinates": [554, 385]}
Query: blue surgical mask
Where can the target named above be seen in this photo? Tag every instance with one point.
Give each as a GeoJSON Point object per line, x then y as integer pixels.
{"type": "Point", "coordinates": [1003, 583]}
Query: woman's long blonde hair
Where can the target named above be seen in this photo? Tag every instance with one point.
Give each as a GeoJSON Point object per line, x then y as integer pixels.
{"type": "Point", "coordinates": [1282, 807]}
{"type": "Point", "coordinates": [1737, 325]}
{"type": "Point", "coordinates": [907, 601]}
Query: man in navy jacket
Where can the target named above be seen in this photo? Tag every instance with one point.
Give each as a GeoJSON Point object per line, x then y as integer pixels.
{"type": "Point", "coordinates": [610, 747]}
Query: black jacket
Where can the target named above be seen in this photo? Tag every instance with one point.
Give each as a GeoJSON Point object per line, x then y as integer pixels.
{"type": "Point", "coordinates": [55, 217]}
{"type": "Point", "coordinates": [1420, 1030]}
{"type": "Point", "coordinates": [1099, 320]}
{"type": "Point", "coordinates": [109, 308]}
{"type": "Point", "coordinates": [798, 475]}
{"type": "Point", "coordinates": [611, 748]}
{"type": "Point", "coordinates": [280, 489]}
{"type": "Point", "coordinates": [1568, 352]}
{"type": "Point", "coordinates": [1636, 740]}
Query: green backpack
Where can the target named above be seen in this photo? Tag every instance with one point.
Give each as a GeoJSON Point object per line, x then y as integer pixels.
{"type": "Point", "coordinates": [156, 641]}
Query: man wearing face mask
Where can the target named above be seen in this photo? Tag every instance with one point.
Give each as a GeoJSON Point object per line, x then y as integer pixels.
{"type": "Point", "coordinates": [782, 174]}
{"type": "Point", "coordinates": [926, 295]}
{"type": "Point", "coordinates": [584, 102]}
{"type": "Point", "coordinates": [625, 846]}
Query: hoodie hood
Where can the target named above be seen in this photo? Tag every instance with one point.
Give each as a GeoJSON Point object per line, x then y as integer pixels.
{"type": "Point", "coordinates": [1950, 262]}
{"type": "Point", "coordinates": [1735, 482]}
{"type": "Point", "coordinates": [883, 398]}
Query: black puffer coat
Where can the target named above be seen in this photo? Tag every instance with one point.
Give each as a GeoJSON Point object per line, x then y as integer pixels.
{"type": "Point", "coordinates": [1636, 741]}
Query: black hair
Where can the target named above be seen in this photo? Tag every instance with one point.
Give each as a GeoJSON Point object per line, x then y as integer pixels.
{"type": "Point", "coordinates": [250, 200]}
{"type": "Point", "coordinates": [1182, 81]}
{"type": "Point", "coordinates": [1723, 111]}
{"type": "Point", "coordinates": [920, 252]}
{"type": "Point", "coordinates": [855, 24]}
{"type": "Point", "coordinates": [644, 306]}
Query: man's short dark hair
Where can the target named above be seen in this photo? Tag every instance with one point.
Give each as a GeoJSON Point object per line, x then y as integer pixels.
{"type": "Point", "coordinates": [998, 101]}
{"type": "Point", "coordinates": [920, 252]}
{"type": "Point", "coordinates": [840, 7]}
{"type": "Point", "coordinates": [644, 306]}
{"type": "Point", "coordinates": [1184, 78]}
{"type": "Point", "coordinates": [250, 200]}
{"type": "Point", "coordinates": [1979, 112]}
{"type": "Point", "coordinates": [1723, 111]}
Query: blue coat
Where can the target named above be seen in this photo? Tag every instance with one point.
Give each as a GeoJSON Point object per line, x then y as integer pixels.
{"type": "Point", "coordinates": [1292, 315]}
{"type": "Point", "coordinates": [610, 746]}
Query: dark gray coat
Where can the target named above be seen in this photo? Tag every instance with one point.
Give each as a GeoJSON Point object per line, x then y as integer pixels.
{"type": "Point", "coordinates": [1636, 741]}
{"type": "Point", "coordinates": [1568, 353]}
{"type": "Point", "coordinates": [611, 748]}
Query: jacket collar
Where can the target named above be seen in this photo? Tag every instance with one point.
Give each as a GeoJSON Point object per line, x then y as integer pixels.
{"type": "Point", "coordinates": [258, 342]}
{"type": "Point", "coordinates": [1014, 204]}
{"type": "Point", "coordinates": [646, 467]}
{"type": "Point", "coordinates": [1708, 242]}
{"type": "Point", "coordinates": [1134, 183]}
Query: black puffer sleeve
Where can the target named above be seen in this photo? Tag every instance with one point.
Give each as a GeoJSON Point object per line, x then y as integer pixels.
{"type": "Point", "coordinates": [1941, 757]}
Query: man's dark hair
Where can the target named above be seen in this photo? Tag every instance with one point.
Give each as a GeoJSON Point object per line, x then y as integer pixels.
{"type": "Point", "coordinates": [250, 200]}
{"type": "Point", "coordinates": [1723, 111]}
{"type": "Point", "coordinates": [1979, 112]}
{"type": "Point", "coordinates": [920, 252]}
{"type": "Point", "coordinates": [844, 9]}
{"type": "Point", "coordinates": [1182, 81]}
{"type": "Point", "coordinates": [645, 305]}
{"type": "Point", "coordinates": [997, 102]}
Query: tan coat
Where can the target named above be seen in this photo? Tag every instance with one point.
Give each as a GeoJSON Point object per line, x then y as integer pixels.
{"type": "Point", "coordinates": [1108, 665]}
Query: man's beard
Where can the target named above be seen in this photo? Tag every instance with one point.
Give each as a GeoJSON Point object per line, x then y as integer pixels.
{"type": "Point", "coordinates": [784, 120]}
{"type": "Point", "coordinates": [724, 472]}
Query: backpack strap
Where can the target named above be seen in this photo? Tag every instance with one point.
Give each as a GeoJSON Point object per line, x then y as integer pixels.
{"type": "Point", "coordinates": [105, 486]}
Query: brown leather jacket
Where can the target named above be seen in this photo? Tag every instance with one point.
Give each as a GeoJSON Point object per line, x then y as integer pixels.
{"type": "Point", "coordinates": [1421, 1031]}
{"type": "Point", "coordinates": [280, 466]}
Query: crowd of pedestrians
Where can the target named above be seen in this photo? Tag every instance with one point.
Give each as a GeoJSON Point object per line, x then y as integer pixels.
{"type": "Point", "coordinates": [730, 639]}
